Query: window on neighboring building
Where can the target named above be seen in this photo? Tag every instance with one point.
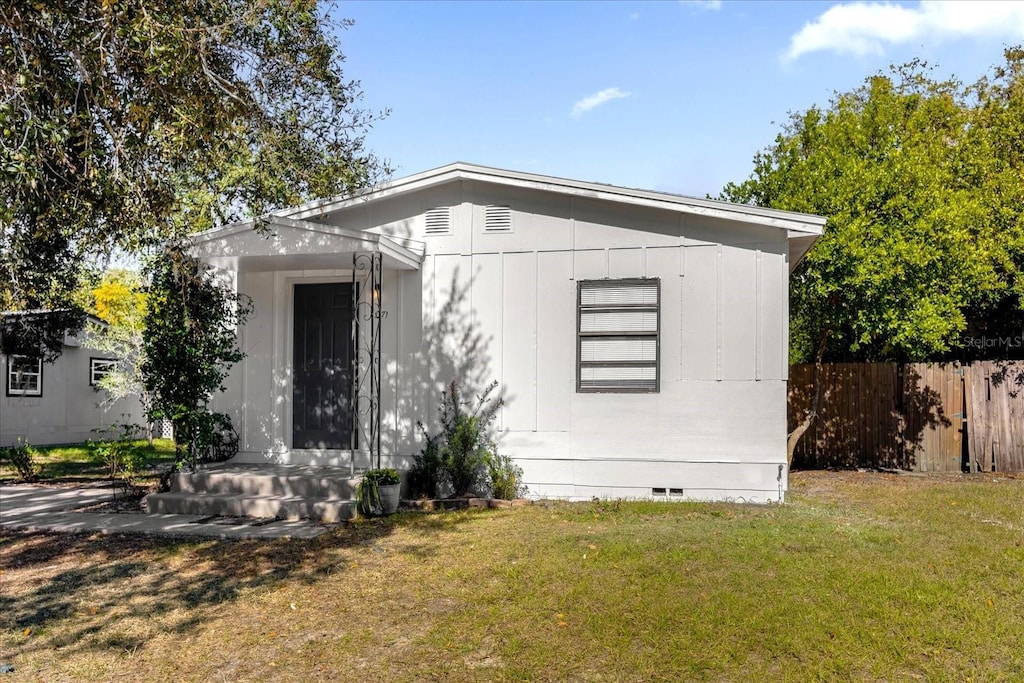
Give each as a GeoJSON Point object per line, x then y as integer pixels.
{"type": "Point", "coordinates": [98, 369]}
{"type": "Point", "coordinates": [24, 376]}
{"type": "Point", "coordinates": [618, 327]}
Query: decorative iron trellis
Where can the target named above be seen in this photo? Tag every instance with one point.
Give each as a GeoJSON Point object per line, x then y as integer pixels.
{"type": "Point", "coordinates": [367, 314]}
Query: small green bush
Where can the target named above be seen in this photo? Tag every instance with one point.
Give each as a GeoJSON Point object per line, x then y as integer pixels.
{"type": "Point", "coordinates": [506, 477]}
{"type": "Point", "coordinates": [427, 473]}
{"type": "Point", "coordinates": [21, 457]}
{"type": "Point", "coordinates": [463, 458]}
{"type": "Point", "coordinates": [120, 455]}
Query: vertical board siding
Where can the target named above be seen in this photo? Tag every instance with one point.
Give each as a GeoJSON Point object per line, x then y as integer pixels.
{"type": "Point", "coordinates": [411, 374]}
{"type": "Point", "coordinates": [452, 356]}
{"type": "Point", "coordinates": [914, 416]}
{"type": "Point", "coordinates": [556, 365]}
{"type": "Point", "coordinates": [590, 265]}
{"type": "Point", "coordinates": [700, 312]}
{"type": "Point", "coordinates": [663, 263]}
{"type": "Point", "coordinates": [519, 331]}
{"type": "Point", "coordinates": [256, 428]}
{"type": "Point", "coordinates": [738, 313]}
{"type": "Point", "coordinates": [624, 263]}
{"type": "Point", "coordinates": [487, 328]}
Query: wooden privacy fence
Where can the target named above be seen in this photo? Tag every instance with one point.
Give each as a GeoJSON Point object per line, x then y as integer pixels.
{"type": "Point", "coordinates": [913, 416]}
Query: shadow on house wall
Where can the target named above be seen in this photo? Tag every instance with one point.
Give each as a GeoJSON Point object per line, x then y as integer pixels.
{"type": "Point", "coordinates": [426, 345]}
{"type": "Point", "coordinates": [448, 345]}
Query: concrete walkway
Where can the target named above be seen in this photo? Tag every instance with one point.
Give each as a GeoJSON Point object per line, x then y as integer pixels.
{"type": "Point", "coordinates": [33, 507]}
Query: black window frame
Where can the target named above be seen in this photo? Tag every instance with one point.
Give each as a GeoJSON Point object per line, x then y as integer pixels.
{"type": "Point", "coordinates": [581, 336]}
{"type": "Point", "coordinates": [20, 393]}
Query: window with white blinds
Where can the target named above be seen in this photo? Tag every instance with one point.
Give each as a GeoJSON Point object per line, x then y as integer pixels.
{"type": "Point", "coordinates": [618, 335]}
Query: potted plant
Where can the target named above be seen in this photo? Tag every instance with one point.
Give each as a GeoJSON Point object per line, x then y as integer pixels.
{"type": "Point", "coordinates": [378, 491]}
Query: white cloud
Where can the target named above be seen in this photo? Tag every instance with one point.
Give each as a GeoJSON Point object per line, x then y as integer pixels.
{"type": "Point", "coordinates": [596, 100]}
{"type": "Point", "coordinates": [710, 5]}
{"type": "Point", "coordinates": [866, 28]}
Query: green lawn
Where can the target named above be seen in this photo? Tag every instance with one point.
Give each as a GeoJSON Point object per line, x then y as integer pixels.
{"type": "Point", "coordinates": [76, 463]}
{"type": "Point", "coordinates": [858, 577]}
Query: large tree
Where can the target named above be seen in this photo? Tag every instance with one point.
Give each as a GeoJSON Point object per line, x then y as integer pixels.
{"type": "Point", "coordinates": [921, 181]}
{"type": "Point", "coordinates": [127, 122]}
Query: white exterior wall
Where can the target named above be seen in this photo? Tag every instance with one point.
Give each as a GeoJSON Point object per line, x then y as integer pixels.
{"type": "Point", "coordinates": [503, 307]}
{"type": "Point", "coordinates": [69, 409]}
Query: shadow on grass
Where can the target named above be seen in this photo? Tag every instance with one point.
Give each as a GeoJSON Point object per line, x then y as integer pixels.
{"type": "Point", "coordinates": [74, 589]}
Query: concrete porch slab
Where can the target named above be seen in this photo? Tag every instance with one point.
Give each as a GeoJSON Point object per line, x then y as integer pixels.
{"type": "Point", "coordinates": [45, 508]}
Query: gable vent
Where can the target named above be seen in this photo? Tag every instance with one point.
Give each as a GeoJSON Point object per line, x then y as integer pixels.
{"type": "Point", "coordinates": [439, 221]}
{"type": "Point", "coordinates": [497, 218]}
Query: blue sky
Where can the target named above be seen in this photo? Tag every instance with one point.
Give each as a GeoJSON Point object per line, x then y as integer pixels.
{"type": "Point", "coordinates": [673, 96]}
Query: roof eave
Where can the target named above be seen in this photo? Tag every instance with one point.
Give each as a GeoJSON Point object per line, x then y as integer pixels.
{"type": "Point", "coordinates": [786, 220]}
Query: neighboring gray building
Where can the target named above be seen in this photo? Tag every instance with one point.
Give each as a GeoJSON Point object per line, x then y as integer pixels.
{"type": "Point", "coordinates": [59, 402]}
{"type": "Point", "coordinates": [639, 338]}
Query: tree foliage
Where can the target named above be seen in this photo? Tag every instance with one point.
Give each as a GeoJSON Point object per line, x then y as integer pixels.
{"type": "Point", "coordinates": [119, 301]}
{"type": "Point", "coordinates": [126, 122]}
{"type": "Point", "coordinates": [189, 345]}
{"type": "Point", "coordinates": [921, 181]}
{"type": "Point", "coordinates": [38, 333]}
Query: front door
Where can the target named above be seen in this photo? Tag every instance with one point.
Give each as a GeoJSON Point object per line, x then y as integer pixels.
{"type": "Point", "coordinates": [322, 382]}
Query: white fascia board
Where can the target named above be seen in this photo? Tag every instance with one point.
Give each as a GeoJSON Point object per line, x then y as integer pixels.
{"type": "Point", "coordinates": [221, 232]}
{"type": "Point", "coordinates": [419, 181]}
{"type": "Point", "coordinates": [802, 223]}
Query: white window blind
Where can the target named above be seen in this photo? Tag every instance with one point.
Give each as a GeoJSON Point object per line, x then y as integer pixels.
{"type": "Point", "coordinates": [628, 321]}
{"type": "Point", "coordinates": [618, 335]}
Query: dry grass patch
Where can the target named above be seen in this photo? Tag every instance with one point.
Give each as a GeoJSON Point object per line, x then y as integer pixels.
{"type": "Point", "coordinates": [860, 576]}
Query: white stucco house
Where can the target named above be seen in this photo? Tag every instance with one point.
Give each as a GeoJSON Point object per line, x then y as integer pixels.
{"type": "Point", "coordinates": [639, 338]}
{"type": "Point", "coordinates": [59, 402]}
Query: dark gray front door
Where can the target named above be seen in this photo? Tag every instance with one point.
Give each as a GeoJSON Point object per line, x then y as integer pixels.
{"type": "Point", "coordinates": [322, 385]}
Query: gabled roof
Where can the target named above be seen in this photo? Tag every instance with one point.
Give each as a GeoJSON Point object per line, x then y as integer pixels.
{"type": "Point", "coordinates": [801, 229]}
{"type": "Point", "coordinates": [796, 223]}
{"type": "Point", "coordinates": [303, 244]}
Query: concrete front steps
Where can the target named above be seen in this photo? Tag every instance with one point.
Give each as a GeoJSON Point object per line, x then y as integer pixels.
{"type": "Point", "coordinates": [290, 492]}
